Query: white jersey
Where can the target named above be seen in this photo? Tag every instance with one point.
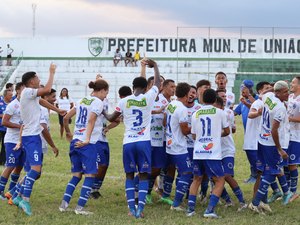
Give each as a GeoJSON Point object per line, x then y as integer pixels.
{"type": "Point", "coordinates": [30, 112]}
{"type": "Point", "coordinates": [189, 137]}
{"type": "Point", "coordinates": [176, 141]}
{"type": "Point", "coordinates": [102, 121]}
{"type": "Point", "coordinates": [44, 119]}
{"type": "Point", "coordinates": [230, 99]}
{"type": "Point", "coordinates": [273, 109]}
{"type": "Point", "coordinates": [227, 142]}
{"type": "Point", "coordinates": [84, 108]}
{"type": "Point", "coordinates": [207, 125]}
{"type": "Point", "coordinates": [294, 111]}
{"type": "Point", "coordinates": [253, 128]}
{"type": "Point", "coordinates": [157, 130]}
{"type": "Point", "coordinates": [13, 134]}
{"type": "Point", "coordinates": [136, 112]}
{"type": "Point", "coordinates": [64, 103]}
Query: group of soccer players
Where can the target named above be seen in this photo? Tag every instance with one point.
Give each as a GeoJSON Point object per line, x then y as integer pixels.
{"type": "Point", "coordinates": [169, 128]}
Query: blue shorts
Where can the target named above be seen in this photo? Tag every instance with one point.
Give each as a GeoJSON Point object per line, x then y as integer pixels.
{"type": "Point", "coordinates": [294, 153]}
{"type": "Point", "coordinates": [84, 159]}
{"type": "Point", "coordinates": [182, 162]}
{"type": "Point", "coordinates": [33, 149]}
{"type": "Point", "coordinates": [158, 157]}
{"type": "Point", "coordinates": [228, 165]}
{"type": "Point", "coordinates": [14, 158]}
{"type": "Point", "coordinates": [273, 161]}
{"type": "Point", "coordinates": [260, 162]}
{"type": "Point", "coordinates": [102, 153]}
{"type": "Point", "coordinates": [213, 168]}
{"type": "Point", "coordinates": [137, 157]}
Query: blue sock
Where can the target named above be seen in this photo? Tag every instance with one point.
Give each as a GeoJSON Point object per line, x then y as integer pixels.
{"type": "Point", "coordinates": [98, 183]}
{"type": "Point", "coordinates": [136, 183]}
{"type": "Point", "coordinates": [17, 190]}
{"type": "Point", "coordinates": [294, 180]}
{"type": "Point", "coordinates": [168, 182]}
{"type": "Point", "coordinates": [21, 191]}
{"type": "Point", "coordinates": [283, 184]}
{"type": "Point", "coordinates": [181, 188]}
{"type": "Point", "coordinates": [287, 176]}
{"type": "Point", "coordinates": [70, 188]}
{"type": "Point", "coordinates": [85, 190]}
{"type": "Point", "coordinates": [225, 196]}
{"type": "Point", "coordinates": [151, 184]}
{"type": "Point", "coordinates": [143, 190]}
{"type": "Point", "coordinates": [13, 180]}
{"type": "Point", "coordinates": [274, 186]}
{"type": "Point", "coordinates": [177, 179]}
{"type": "Point", "coordinates": [32, 175]}
{"type": "Point", "coordinates": [3, 182]}
{"type": "Point", "coordinates": [204, 187]}
{"type": "Point", "coordinates": [129, 189]}
{"type": "Point", "coordinates": [265, 182]}
{"type": "Point", "coordinates": [213, 201]}
{"type": "Point", "coordinates": [239, 194]}
{"type": "Point", "coordinates": [192, 202]}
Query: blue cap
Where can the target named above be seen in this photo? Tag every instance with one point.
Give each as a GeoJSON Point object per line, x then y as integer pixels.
{"type": "Point", "coordinates": [248, 83]}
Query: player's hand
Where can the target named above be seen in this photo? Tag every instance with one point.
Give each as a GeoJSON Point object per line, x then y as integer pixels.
{"type": "Point", "coordinates": [259, 111]}
{"type": "Point", "coordinates": [80, 144]}
{"type": "Point", "coordinates": [18, 146]}
{"type": "Point", "coordinates": [144, 62]}
{"type": "Point", "coordinates": [69, 136]}
{"type": "Point", "coordinates": [52, 68]}
{"type": "Point", "coordinates": [105, 130]}
{"type": "Point", "coordinates": [243, 100]}
{"type": "Point", "coordinates": [283, 154]}
{"type": "Point", "coordinates": [55, 151]}
{"type": "Point", "coordinates": [151, 63]}
{"type": "Point", "coordinates": [62, 112]}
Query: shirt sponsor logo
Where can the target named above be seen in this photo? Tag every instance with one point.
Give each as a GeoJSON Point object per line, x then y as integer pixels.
{"type": "Point", "coordinates": [206, 112]}
{"type": "Point", "coordinates": [270, 104]}
{"type": "Point", "coordinates": [132, 102]}
{"type": "Point", "coordinates": [86, 101]}
{"type": "Point", "coordinates": [209, 146]}
{"type": "Point", "coordinates": [171, 108]}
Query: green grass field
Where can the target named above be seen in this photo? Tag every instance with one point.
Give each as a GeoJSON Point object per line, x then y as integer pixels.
{"type": "Point", "coordinates": [112, 207]}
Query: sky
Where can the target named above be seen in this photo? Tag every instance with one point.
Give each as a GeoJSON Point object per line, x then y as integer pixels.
{"type": "Point", "coordinates": [87, 18]}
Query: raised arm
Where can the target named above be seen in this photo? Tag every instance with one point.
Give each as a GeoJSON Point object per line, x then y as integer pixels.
{"type": "Point", "coordinates": [48, 86]}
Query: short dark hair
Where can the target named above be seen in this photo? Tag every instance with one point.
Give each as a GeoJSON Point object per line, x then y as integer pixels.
{"type": "Point", "coordinates": [298, 78]}
{"type": "Point", "coordinates": [27, 77]}
{"type": "Point", "coordinates": [209, 96]}
{"type": "Point", "coordinates": [193, 86]}
{"type": "Point", "coordinates": [167, 81]}
{"type": "Point", "coordinates": [19, 85]}
{"type": "Point", "coordinates": [98, 85]}
{"type": "Point", "coordinates": [125, 91]}
{"type": "Point", "coordinates": [221, 73]}
{"type": "Point", "coordinates": [220, 90]}
{"type": "Point", "coordinates": [139, 82]}
{"type": "Point", "coordinates": [219, 101]}
{"type": "Point", "coordinates": [9, 85]}
{"type": "Point", "coordinates": [201, 83]}
{"type": "Point", "coordinates": [261, 85]}
{"type": "Point", "coordinates": [150, 79]}
{"type": "Point", "coordinates": [49, 93]}
{"type": "Point", "coordinates": [182, 89]}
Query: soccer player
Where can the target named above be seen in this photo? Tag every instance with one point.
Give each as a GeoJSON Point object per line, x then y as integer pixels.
{"type": "Point", "coordinates": [31, 140]}
{"type": "Point", "coordinates": [136, 110]}
{"type": "Point", "coordinates": [202, 85]}
{"type": "Point", "coordinates": [294, 145]}
{"type": "Point", "coordinates": [228, 153]}
{"type": "Point", "coordinates": [273, 138]}
{"type": "Point", "coordinates": [209, 124]}
{"type": "Point", "coordinates": [83, 149]}
{"type": "Point", "coordinates": [221, 82]}
{"type": "Point", "coordinates": [14, 159]}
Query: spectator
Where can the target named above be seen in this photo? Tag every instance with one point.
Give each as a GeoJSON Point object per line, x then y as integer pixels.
{"type": "Point", "coordinates": [117, 57]}
{"type": "Point", "coordinates": [128, 58]}
{"type": "Point", "coordinates": [9, 57]}
{"type": "Point", "coordinates": [7, 96]}
{"type": "Point", "coordinates": [136, 57]}
{"type": "Point", "coordinates": [66, 103]}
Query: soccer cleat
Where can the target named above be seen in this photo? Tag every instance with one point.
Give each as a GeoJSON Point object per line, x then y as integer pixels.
{"type": "Point", "coordinates": [166, 200]}
{"type": "Point", "coordinates": [250, 180]}
{"type": "Point", "coordinates": [95, 195]}
{"type": "Point", "coordinates": [131, 212]}
{"type": "Point", "coordinates": [8, 195]}
{"type": "Point", "coordinates": [177, 208]}
{"type": "Point", "coordinates": [210, 214]}
{"type": "Point", "coordinates": [242, 206]}
{"type": "Point", "coordinates": [139, 214]}
{"type": "Point", "coordinates": [25, 206]}
{"type": "Point", "coordinates": [203, 199]}
{"type": "Point", "coordinates": [80, 211]}
{"type": "Point", "coordinates": [294, 197]}
{"type": "Point", "coordinates": [286, 198]}
{"type": "Point", "coordinates": [255, 209]}
{"type": "Point", "coordinates": [10, 201]}
{"type": "Point", "coordinates": [149, 199]}
{"type": "Point", "coordinates": [265, 207]}
{"type": "Point", "coordinates": [228, 204]}
{"type": "Point", "coordinates": [190, 212]}
{"type": "Point", "coordinates": [275, 196]}
{"type": "Point", "coordinates": [63, 206]}
{"type": "Point", "coordinates": [16, 201]}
